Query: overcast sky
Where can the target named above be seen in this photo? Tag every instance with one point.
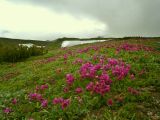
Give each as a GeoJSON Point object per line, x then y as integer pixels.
{"type": "Point", "coordinates": [50, 19]}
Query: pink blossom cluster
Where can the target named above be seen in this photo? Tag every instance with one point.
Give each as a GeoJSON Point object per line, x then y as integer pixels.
{"type": "Point", "coordinates": [90, 86]}
{"type": "Point", "coordinates": [35, 97]}
{"type": "Point", "coordinates": [129, 47]}
{"type": "Point", "coordinates": [57, 100]}
{"type": "Point", "coordinates": [63, 102]}
{"type": "Point", "coordinates": [14, 101]}
{"type": "Point", "coordinates": [89, 70]}
{"type": "Point", "coordinates": [99, 87]}
{"type": "Point", "coordinates": [65, 56]}
{"type": "Point", "coordinates": [79, 90]}
{"type": "Point", "coordinates": [118, 68]}
{"type": "Point", "coordinates": [132, 76]}
{"type": "Point", "coordinates": [133, 47]}
{"type": "Point", "coordinates": [38, 98]}
{"type": "Point", "coordinates": [120, 71]}
{"type": "Point", "coordinates": [85, 50]}
{"type": "Point", "coordinates": [42, 87]}
{"type": "Point", "coordinates": [7, 110]}
{"type": "Point", "coordinates": [44, 103]}
{"type": "Point", "coordinates": [112, 61]}
{"type": "Point", "coordinates": [105, 78]}
{"type": "Point", "coordinates": [69, 79]}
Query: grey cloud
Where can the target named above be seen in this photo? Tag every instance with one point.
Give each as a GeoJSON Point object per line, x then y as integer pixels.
{"type": "Point", "coordinates": [124, 17]}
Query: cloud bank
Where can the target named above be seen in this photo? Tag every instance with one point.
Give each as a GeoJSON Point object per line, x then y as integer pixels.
{"type": "Point", "coordinates": [49, 19]}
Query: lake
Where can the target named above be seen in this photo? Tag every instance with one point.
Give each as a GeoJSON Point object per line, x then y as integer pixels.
{"type": "Point", "coordinates": [73, 43]}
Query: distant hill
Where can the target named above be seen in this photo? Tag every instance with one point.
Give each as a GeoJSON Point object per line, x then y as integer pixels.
{"type": "Point", "coordinates": [21, 41]}
{"type": "Point", "coordinates": [57, 43]}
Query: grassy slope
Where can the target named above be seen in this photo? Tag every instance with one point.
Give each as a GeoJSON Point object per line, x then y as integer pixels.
{"type": "Point", "coordinates": [17, 80]}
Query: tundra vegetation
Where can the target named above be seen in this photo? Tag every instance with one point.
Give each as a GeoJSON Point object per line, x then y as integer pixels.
{"type": "Point", "coordinates": [114, 80]}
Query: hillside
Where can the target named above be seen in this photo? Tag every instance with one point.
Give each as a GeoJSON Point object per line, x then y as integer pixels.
{"type": "Point", "coordinates": [114, 80]}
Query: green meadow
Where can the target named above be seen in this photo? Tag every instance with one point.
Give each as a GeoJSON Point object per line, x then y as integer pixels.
{"type": "Point", "coordinates": [30, 87]}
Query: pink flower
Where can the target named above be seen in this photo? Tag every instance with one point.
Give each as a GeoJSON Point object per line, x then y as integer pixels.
{"type": "Point", "coordinates": [43, 87]}
{"type": "Point", "coordinates": [110, 102]}
{"type": "Point", "coordinates": [35, 96]}
{"type": "Point", "coordinates": [90, 86]}
{"type": "Point", "coordinates": [132, 76]}
{"type": "Point", "coordinates": [57, 100]}
{"type": "Point", "coordinates": [101, 88]}
{"type": "Point", "coordinates": [14, 101]}
{"type": "Point", "coordinates": [65, 57]}
{"type": "Point", "coordinates": [120, 70]}
{"type": "Point", "coordinates": [7, 110]}
{"type": "Point", "coordinates": [106, 78]}
{"type": "Point", "coordinates": [69, 79]}
{"type": "Point", "coordinates": [65, 103]}
{"type": "Point", "coordinates": [44, 103]}
{"type": "Point", "coordinates": [79, 90]}
{"type": "Point", "coordinates": [112, 61]}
